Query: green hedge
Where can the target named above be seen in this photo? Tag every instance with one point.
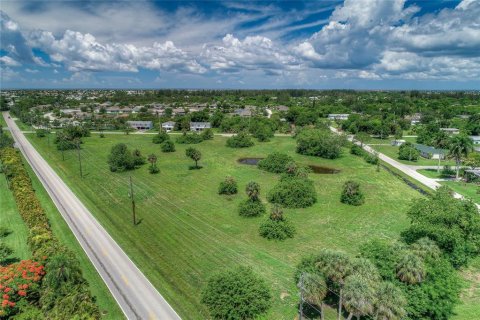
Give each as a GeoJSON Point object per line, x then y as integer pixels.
{"type": "Point", "coordinates": [46, 247]}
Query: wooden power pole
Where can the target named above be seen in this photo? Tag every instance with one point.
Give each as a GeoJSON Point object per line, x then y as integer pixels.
{"type": "Point", "coordinates": [133, 201]}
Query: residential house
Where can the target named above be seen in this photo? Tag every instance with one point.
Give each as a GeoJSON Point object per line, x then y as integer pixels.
{"type": "Point", "coordinates": [168, 126]}
{"type": "Point", "coordinates": [338, 116]}
{"type": "Point", "coordinates": [140, 125]}
{"type": "Point", "coordinates": [199, 126]}
{"type": "Point", "coordinates": [243, 112]}
{"type": "Point", "coordinates": [415, 118]}
{"type": "Point", "coordinates": [179, 111]}
{"type": "Point", "coordinates": [476, 142]}
{"type": "Point", "coordinates": [397, 143]}
{"type": "Point", "coordinates": [281, 108]}
{"type": "Point", "coordinates": [431, 152]}
{"type": "Point", "coordinates": [451, 131]}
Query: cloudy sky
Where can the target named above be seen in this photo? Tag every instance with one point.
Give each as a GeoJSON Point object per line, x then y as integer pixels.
{"type": "Point", "coordinates": [359, 44]}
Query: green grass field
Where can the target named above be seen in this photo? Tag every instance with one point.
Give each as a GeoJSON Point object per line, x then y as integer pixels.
{"type": "Point", "coordinates": [105, 300]}
{"type": "Point", "coordinates": [11, 219]}
{"type": "Point", "coordinates": [469, 308]}
{"type": "Point", "coordinates": [188, 232]}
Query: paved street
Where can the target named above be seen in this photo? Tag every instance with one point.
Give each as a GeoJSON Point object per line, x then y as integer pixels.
{"type": "Point", "coordinates": [408, 170]}
{"type": "Point", "coordinates": [134, 293]}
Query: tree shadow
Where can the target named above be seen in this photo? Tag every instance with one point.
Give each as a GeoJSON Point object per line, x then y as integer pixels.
{"type": "Point", "coordinates": [195, 167]}
{"type": "Point", "coordinates": [139, 221]}
{"type": "Point", "coordinates": [9, 261]}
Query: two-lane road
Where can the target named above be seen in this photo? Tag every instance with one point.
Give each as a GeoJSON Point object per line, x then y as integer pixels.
{"type": "Point", "coordinates": [135, 295]}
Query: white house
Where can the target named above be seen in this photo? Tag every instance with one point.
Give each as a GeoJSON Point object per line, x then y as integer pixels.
{"type": "Point", "coordinates": [397, 143]}
{"type": "Point", "coordinates": [140, 125]}
{"type": "Point", "coordinates": [199, 126]}
{"type": "Point", "coordinates": [476, 142]}
{"type": "Point", "coordinates": [451, 131]}
{"type": "Point", "coordinates": [338, 116]}
{"type": "Point", "coordinates": [168, 126]}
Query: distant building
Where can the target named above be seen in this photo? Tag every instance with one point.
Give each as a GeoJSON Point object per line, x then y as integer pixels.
{"type": "Point", "coordinates": [397, 143]}
{"type": "Point", "coordinates": [243, 112]}
{"type": "Point", "coordinates": [199, 126]}
{"type": "Point", "coordinates": [450, 131]}
{"type": "Point", "coordinates": [168, 126]}
{"type": "Point", "coordinates": [431, 152]}
{"type": "Point", "coordinates": [338, 116]}
{"type": "Point", "coordinates": [476, 143]}
{"type": "Point", "coordinates": [140, 125]}
{"type": "Point", "coordinates": [415, 118]}
{"type": "Point", "coordinates": [281, 108]}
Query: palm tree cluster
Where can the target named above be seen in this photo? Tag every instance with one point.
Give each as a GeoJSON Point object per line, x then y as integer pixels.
{"type": "Point", "coordinates": [357, 283]}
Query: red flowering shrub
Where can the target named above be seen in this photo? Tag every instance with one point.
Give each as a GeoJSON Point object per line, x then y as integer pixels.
{"type": "Point", "coordinates": [17, 281]}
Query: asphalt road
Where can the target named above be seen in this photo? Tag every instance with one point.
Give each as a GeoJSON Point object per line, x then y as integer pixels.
{"type": "Point", "coordinates": [135, 295]}
{"type": "Point", "coordinates": [408, 170]}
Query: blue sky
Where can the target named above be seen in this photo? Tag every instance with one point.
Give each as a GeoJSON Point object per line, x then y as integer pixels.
{"type": "Point", "coordinates": [358, 44]}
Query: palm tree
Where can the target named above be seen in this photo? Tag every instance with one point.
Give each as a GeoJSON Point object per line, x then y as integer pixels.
{"type": "Point", "coordinates": [366, 269]}
{"type": "Point", "coordinates": [425, 247]}
{"type": "Point", "coordinates": [390, 303]}
{"type": "Point", "coordinates": [410, 269]}
{"type": "Point", "coordinates": [253, 190]}
{"type": "Point", "coordinates": [459, 147]}
{"type": "Point", "coordinates": [359, 296]}
{"type": "Point", "coordinates": [152, 159]}
{"type": "Point", "coordinates": [276, 213]}
{"type": "Point", "coordinates": [336, 266]}
{"type": "Point", "coordinates": [62, 268]}
{"type": "Point", "coordinates": [315, 290]}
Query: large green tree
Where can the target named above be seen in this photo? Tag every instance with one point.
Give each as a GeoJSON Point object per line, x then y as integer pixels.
{"type": "Point", "coordinates": [459, 147]}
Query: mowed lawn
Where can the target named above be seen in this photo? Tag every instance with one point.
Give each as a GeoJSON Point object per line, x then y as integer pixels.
{"type": "Point", "coordinates": [10, 218]}
{"type": "Point", "coordinates": [188, 232]}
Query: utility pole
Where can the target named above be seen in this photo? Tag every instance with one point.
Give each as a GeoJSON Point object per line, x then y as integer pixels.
{"type": "Point", "coordinates": [300, 306]}
{"type": "Point", "coordinates": [79, 158]}
{"type": "Point", "coordinates": [133, 201]}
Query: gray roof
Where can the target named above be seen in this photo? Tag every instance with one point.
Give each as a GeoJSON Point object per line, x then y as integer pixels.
{"type": "Point", "coordinates": [200, 124]}
{"type": "Point", "coordinates": [168, 123]}
{"type": "Point", "coordinates": [430, 150]}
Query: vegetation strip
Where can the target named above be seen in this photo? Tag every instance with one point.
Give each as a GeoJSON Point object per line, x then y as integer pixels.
{"type": "Point", "coordinates": [72, 293]}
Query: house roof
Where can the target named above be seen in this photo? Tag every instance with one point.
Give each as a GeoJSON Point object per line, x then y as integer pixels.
{"type": "Point", "coordinates": [429, 150]}
{"type": "Point", "coordinates": [168, 123]}
{"type": "Point", "coordinates": [200, 124]}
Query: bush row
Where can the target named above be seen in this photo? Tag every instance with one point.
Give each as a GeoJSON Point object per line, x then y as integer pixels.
{"type": "Point", "coordinates": [61, 297]}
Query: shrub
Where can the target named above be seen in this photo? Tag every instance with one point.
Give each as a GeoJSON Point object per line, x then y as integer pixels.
{"type": "Point", "coordinates": [407, 151]}
{"type": "Point", "coordinates": [153, 169]}
{"type": "Point", "coordinates": [276, 230]}
{"type": "Point", "coordinates": [168, 146]}
{"type": "Point", "coordinates": [320, 143]}
{"type": "Point", "coordinates": [252, 190]}
{"type": "Point", "coordinates": [240, 140]}
{"type": "Point", "coordinates": [161, 137]}
{"type": "Point", "coordinates": [191, 138]}
{"type": "Point", "coordinates": [276, 227]}
{"type": "Point", "coordinates": [237, 294]}
{"type": "Point", "coordinates": [275, 162]}
{"type": "Point", "coordinates": [138, 159]}
{"type": "Point", "coordinates": [351, 194]}
{"type": "Point", "coordinates": [120, 158]}
{"type": "Point", "coordinates": [293, 192]}
{"type": "Point", "coordinates": [5, 251]}
{"type": "Point", "coordinates": [207, 134]}
{"type": "Point", "coordinates": [251, 208]}
{"type": "Point", "coordinates": [41, 133]}
{"type": "Point", "coordinates": [228, 186]}
{"type": "Point", "coordinates": [357, 150]}
{"type": "Point", "coordinates": [371, 158]}
{"type": "Point", "coordinates": [4, 232]}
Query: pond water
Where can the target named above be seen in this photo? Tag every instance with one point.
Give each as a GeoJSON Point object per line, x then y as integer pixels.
{"type": "Point", "coordinates": [315, 169]}
{"type": "Point", "coordinates": [249, 161]}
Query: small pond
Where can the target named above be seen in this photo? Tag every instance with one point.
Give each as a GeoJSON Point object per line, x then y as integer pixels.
{"type": "Point", "coordinates": [315, 169]}
{"type": "Point", "coordinates": [249, 161]}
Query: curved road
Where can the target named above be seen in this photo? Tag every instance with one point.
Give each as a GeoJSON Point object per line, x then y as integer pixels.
{"type": "Point", "coordinates": [135, 295]}
{"type": "Point", "coordinates": [408, 170]}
